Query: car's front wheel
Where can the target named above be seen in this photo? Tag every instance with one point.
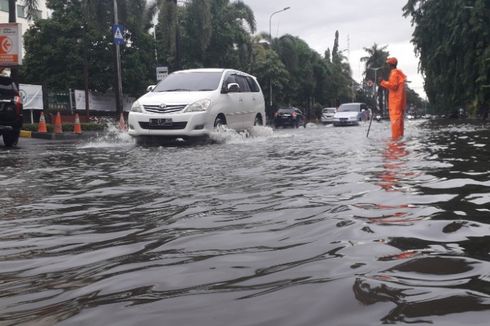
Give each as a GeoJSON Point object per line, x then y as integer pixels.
{"type": "Point", "coordinates": [11, 139]}
{"type": "Point", "coordinates": [219, 122]}
{"type": "Point", "coordinates": [258, 121]}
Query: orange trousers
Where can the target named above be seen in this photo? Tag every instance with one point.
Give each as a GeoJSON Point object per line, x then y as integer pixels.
{"type": "Point", "coordinates": [397, 125]}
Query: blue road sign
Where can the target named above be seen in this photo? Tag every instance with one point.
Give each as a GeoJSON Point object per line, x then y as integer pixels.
{"type": "Point", "coordinates": [117, 31]}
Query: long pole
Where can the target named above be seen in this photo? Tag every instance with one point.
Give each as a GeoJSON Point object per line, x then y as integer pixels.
{"type": "Point", "coordinates": [270, 39]}
{"type": "Point", "coordinates": [117, 54]}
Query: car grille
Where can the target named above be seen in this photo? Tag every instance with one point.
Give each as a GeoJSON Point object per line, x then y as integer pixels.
{"type": "Point", "coordinates": [173, 126]}
{"type": "Point", "coordinates": [167, 109]}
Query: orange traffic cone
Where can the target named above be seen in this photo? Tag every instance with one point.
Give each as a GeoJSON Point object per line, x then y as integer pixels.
{"type": "Point", "coordinates": [77, 128]}
{"type": "Point", "coordinates": [42, 124]}
{"type": "Point", "coordinates": [57, 124]}
{"type": "Point", "coordinates": [122, 124]}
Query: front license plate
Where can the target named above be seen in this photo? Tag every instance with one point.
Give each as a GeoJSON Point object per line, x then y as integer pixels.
{"type": "Point", "coordinates": [160, 122]}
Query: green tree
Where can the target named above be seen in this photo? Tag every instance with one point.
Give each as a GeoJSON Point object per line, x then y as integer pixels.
{"type": "Point", "coordinates": [452, 40]}
{"type": "Point", "coordinates": [375, 58]}
{"type": "Point", "coordinates": [56, 47]}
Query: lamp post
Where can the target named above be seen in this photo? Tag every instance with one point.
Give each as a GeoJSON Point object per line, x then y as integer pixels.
{"type": "Point", "coordinates": [379, 103]}
{"type": "Point", "coordinates": [270, 38]}
{"type": "Point", "coordinates": [375, 78]}
{"type": "Point", "coordinates": [117, 55]}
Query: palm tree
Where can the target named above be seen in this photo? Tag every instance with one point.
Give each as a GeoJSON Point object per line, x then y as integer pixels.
{"type": "Point", "coordinates": [376, 58]}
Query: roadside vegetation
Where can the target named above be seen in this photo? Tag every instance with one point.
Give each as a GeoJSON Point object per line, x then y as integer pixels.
{"type": "Point", "coordinates": [73, 49]}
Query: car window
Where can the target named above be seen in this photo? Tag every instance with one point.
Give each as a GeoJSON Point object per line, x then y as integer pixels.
{"type": "Point", "coordinates": [349, 108]}
{"type": "Point", "coordinates": [242, 81]}
{"type": "Point", "coordinates": [189, 82]}
{"type": "Point", "coordinates": [7, 87]}
{"type": "Point", "coordinates": [252, 84]}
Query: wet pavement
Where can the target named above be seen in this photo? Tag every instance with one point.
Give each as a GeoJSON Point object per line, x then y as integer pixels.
{"type": "Point", "coordinates": [308, 226]}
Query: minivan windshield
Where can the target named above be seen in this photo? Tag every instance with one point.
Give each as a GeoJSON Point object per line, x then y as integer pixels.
{"type": "Point", "coordinates": [349, 108]}
{"type": "Point", "coordinates": [190, 82]}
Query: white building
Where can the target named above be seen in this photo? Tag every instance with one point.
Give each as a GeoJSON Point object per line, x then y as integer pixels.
{"type": "Point", "coordinates": [42, 12]}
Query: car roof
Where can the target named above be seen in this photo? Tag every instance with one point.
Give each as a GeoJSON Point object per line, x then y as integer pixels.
{"type": "Point", "coordinates": [354, 103]}
{"type": "Point", "coordinates": [288, 108]}
{"type": "Point", "coordinates": [220, 70]}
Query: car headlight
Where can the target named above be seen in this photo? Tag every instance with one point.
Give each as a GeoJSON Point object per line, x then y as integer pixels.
{"type": "Point", "coordinates": [137, 107]}
{"type": "Point", "coordinates": [198, 106]}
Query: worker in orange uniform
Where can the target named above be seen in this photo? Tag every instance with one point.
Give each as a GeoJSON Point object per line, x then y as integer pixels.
{"type": "Point", "coordinates": [396, 98]}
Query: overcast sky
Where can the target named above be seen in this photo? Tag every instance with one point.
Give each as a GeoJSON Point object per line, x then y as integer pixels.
{"type": "Point", "coordinates": [361, 23]}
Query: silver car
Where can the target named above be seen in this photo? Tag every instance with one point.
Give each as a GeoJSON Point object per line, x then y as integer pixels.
{"type": "Point", "coordinates": [350, 114]}
{"type": "Point", "coordinates": [327, 115]}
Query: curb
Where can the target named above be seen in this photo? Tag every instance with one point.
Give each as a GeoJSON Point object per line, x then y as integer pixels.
{"type": "Point", "coordinates": [25, 134]}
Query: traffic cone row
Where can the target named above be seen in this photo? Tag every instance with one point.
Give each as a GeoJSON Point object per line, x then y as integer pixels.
{"type": "Point", "coordinates": [58, 129]}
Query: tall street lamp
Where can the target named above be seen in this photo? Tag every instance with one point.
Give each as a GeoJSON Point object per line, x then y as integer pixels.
{"type": "Point", "coordinates": [270, 38]}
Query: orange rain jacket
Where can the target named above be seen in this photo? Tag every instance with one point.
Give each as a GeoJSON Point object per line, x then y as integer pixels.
{"type": "Point", "coordinates": [396, 100]}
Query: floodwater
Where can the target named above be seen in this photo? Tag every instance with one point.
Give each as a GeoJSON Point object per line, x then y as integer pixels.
{"type": "Point", "coordinates": [309, 226]}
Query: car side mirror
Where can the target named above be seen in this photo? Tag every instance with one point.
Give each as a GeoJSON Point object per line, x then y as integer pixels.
{"type": "Point", "coordinates": [232, 88]}
{"type": "Point", "coordinates": [150, 88]}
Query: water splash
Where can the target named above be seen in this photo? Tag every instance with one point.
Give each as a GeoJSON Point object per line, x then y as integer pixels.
{"type": "Point", "coordinates": [231, 136]}
{"type": "Point", "coordinates": [112, 137]}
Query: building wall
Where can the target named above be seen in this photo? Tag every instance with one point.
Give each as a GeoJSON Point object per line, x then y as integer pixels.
{"type": "Point", "coordinates": [4, 14]}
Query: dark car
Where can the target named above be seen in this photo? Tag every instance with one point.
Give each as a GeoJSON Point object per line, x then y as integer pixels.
{"type": "Point", "coordinates": [10, 111]}
{"type": "Point", "coordinates": [289, 117]}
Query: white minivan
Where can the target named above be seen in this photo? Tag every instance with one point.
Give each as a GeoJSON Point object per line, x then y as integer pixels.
{"type": "Point", "coordinates": [194, 103]}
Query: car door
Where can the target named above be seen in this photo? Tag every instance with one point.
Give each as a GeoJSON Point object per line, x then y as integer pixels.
{"type": "Point", "coordinates": [257, 105]}
{"type": "Point", "coordinates": [231, 102]}
{"type": "Point", "coordinates": [246, 115]}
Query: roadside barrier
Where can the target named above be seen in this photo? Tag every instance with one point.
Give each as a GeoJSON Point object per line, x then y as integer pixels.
{"type": "Point", "coordinates": [42, 124]}
{"type": "Point", "coordinates": [122, 124]}
{"type": "Point", "coordinates": [77, 128]}
{"type": "Point", "coordinates": [58, 129]}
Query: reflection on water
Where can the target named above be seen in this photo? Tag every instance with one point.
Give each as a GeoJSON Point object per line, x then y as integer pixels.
{"type": "Point", "coordinates": [309, 226]}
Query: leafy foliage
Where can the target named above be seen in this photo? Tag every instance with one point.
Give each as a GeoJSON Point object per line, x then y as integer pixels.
{"type": "Point", "coordinates": [191, 34]}
{"type": "Point", "coordinates": [452, 39]}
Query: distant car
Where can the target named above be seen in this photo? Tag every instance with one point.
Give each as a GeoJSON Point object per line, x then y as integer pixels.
{"type": "Point", "coordinates": [327, 115]}
{"type": "Point", "coordinates": [349, 114]}
{"type": "Point", "coordinates": [194, 103]}
{"type": "Point", "coordinates": [289, 117]}
{"type": "Point", "coordinates": [10, 111]}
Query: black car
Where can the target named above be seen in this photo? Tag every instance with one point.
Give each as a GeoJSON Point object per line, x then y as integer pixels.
{"type": "Point", "coordinates": [10, 111]}
{"type": "Point", "coordinates": [290, 116]}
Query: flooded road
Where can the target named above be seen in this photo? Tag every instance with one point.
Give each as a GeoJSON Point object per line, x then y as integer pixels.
{"type": "Point", "coordinates": [313, 226]}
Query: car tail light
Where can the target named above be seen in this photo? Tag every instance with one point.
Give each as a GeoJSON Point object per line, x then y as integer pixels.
{"type": "Point", "coordinates": [18, 103]}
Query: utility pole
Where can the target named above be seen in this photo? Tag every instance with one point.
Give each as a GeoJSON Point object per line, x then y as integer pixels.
{"type": "Point", "coordinates": [117, 55]}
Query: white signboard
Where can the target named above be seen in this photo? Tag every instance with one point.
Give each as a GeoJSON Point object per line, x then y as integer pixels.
{"type": "Point", "coordinates": [10, 44]}
{"type": "Point", "coordinates": [101, 102]}
{"type": "Point", "coordinates": [162, 73]}
{"type": "Point", "coordinates": [32, 96]}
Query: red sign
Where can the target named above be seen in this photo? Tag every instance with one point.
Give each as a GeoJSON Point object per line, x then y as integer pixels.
{"type": "Point", "coordinates": [10, 44]}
